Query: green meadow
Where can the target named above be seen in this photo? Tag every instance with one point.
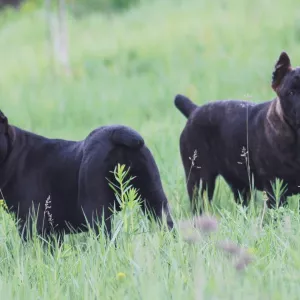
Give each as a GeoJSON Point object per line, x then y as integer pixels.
{"type": "Point", "coordinates": [126, 68]}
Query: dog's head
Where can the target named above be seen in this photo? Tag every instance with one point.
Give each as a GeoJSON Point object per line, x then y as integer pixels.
{"type": "Point", "coordinates": [5, 137]}
{"type": "Point", "coordinates": [286, 84]}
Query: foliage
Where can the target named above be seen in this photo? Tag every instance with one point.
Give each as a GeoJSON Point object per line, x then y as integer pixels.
{"type": "Point", "coordinates": [128, 200]}
{"type": "Point", "coordinates": [82, 7]}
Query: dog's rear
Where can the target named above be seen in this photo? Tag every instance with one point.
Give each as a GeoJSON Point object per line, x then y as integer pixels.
{"type": "Point", "coordinates": [143, 167]}
{"type": "Point", "coordinates": [108, 146]}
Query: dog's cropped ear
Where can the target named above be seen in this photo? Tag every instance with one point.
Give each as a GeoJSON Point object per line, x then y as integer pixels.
{"type": "Point", "coordinates": [282, 67]}
{"type": "Point", "coordinates": [3, 123]}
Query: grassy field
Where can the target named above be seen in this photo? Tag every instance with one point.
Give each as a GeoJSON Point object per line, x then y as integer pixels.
{"type": "Point", "coordinates": [127, 68]}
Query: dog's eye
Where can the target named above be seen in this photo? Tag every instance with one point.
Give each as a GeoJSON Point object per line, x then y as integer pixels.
{"type": "Point", "coordinates": [291, 93]}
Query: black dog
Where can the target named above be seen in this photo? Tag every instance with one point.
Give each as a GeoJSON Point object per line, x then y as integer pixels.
{"type": "Point", "coordinates": [74, 175]}
{"type": "Point", "coordinates": [243, 141]}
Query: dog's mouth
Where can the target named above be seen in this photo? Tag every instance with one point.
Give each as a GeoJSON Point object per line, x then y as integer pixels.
{"type": "Point", "coordinates": [297, 121]}
{"type": "Point", "coordinates": [292, 118]}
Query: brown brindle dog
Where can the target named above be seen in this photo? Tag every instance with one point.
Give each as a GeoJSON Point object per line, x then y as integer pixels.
{"type": "Point", "coordinates": [266, 135]}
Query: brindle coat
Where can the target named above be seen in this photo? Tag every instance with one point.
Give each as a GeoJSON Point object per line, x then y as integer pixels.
{"type": "Point", "coordinates": [236, 139]}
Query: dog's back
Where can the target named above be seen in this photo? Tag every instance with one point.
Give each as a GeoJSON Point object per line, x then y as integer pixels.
{"type": "Point", "coordinates": [214, 113]}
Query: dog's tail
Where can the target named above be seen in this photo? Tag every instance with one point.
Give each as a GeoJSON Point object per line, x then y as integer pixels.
{"type": "Point", "coordinates": [184, 104]}
{"type": "Point", "coordinates": [125, 136]}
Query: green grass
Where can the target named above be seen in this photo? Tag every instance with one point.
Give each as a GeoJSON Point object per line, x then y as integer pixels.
{"type": "Point", "coordinates": [127, 69]}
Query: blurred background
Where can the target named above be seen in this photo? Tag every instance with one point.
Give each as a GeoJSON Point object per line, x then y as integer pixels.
{"type": "Point", "coordinates": [69, 66]}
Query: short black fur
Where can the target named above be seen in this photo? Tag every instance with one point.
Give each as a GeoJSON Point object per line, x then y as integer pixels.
{"type": "Point", "coordinates": [74, 175]}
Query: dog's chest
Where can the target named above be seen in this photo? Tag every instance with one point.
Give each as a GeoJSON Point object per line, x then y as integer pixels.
{"type": "Point", "coordinates": [285, 167]}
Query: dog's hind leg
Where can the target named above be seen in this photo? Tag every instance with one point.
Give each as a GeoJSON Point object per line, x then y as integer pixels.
{"type": "Point", "coordinates": [208, 186]}
{"type": "Point", "coordinates": [96, 216]}
{"type": "Point", "coordinates": [193, 183]}
{"type": "Point", "coordinates": [194, 180]}
{"type": "Point", "coordinates": [241, 195]}
{"type": "Point", "coordinates": [271, 202]}
{"type": "Point", "coordinates": [95, 198]}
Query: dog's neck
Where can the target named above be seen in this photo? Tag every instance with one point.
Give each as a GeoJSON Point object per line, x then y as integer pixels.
{"type": "Point", "coordinates": [275, 118]}
{"type": "Point", "coordinates": [5, 166]}
{"type": "Point", "coordinates": [277, 125]}
{"type": "Point", "coordinates": [10, 136]}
